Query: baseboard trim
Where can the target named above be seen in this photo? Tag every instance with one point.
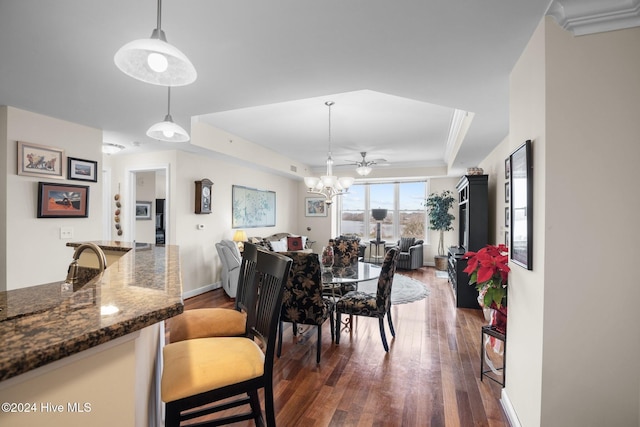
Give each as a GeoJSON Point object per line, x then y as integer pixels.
{"type": "Point", "coordinates": [509, 410]}
{"type": "Point", "coordinates": [202, 290]}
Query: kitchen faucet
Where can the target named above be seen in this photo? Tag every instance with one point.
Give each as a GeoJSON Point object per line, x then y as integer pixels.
{"type": "Point", "coordinates": [72, 273]}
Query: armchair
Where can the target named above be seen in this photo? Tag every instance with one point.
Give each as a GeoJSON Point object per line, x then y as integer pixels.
{"type": "Point", "coordinates": [411, 253]}
{"type": "Point", "coordinates": [230, 259]}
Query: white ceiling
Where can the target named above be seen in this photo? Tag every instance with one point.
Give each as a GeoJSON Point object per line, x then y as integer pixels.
{"type": "Point", "coordinates": [396, 71]}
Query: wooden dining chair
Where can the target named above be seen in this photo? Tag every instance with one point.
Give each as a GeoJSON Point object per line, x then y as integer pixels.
{"type": "Point", "coordinates": [201, 372]}
{"type": "Point", "coordinates": [221, 322]}
{"type": "Point", "coordinates": [358, 303]}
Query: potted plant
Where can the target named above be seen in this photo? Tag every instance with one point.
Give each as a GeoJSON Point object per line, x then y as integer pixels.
{"type": "Point", "coordinates": [438, 206]}
{"type": "Point", "coordinates": [488, 272]}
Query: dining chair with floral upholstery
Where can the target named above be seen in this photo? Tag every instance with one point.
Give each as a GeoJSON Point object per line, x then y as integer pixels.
{"type": "Point", "coordinates": [302, 302]}
{"type": "Point", "coordinates": [358, 303]}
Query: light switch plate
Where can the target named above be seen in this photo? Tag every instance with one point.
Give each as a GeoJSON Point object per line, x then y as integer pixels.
{"type": "Point", "coordinates": [66, 232]}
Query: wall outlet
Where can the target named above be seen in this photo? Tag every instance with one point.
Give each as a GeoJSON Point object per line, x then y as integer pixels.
{"type": "Point", "coordinates": [66, 232]}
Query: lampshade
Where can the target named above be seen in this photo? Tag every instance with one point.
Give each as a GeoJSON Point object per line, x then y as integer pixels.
{"type": "Point", "coordinates": [155, 61]}
{"type": "Point", "coordinates": [167, 130]}
{"type": "Point", "coordinates": [379, 214]}
{"type": "Point", "coordinates": [240, 236]}
{"type": "Point", "coordinates": [108, 148]}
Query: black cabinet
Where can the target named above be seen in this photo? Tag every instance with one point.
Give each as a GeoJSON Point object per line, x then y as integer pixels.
{"type": "Point", "coordinates": [473, 234]}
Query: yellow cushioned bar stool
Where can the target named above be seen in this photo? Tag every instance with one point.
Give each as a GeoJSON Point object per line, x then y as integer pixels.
{"type": "Point", "coordinates": [202, 371]}
{"type": "Point", "coordinates": [221, 322]}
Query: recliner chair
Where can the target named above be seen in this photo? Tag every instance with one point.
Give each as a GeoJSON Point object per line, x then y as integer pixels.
{"type": "Point", "coordinates": [230, 259]}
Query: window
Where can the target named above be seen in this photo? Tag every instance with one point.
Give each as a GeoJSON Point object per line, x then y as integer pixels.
{"type": "Point", "coordinates": [406, 214]}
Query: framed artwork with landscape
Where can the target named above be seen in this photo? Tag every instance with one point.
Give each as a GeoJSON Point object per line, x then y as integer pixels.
{"type": "Point", "coordinates": [82, 170]}
{"type": "Point", "coordinates": [62, 200]}
{"type": "Point", "coordinates": [40, 160]}
{"type": "Point", "coordinates": [315, 206]}
{"type": "Point", "coordinates": [251, 208]}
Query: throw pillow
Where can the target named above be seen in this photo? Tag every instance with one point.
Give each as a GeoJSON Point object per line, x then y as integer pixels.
{"type": "Point", "coordinates": [294, 243]}
{"type": "Point", "coordinates": [406, 243]}
{"type": "Point", "coordinates": [279, 245]}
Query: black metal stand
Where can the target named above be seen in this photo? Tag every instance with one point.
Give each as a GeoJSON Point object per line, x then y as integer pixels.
{"type": "Point", "coordinates": [493, 332]}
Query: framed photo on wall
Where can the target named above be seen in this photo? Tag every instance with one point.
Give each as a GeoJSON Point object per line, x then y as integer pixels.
{"type": "Point", "coordinates": [40, 160]}
{"type": "Point", "coordinates": [315, 206]}
{"type": "Point", "coordinates": [143, 210]}
{"type": "Point", "coordinates": [82, 170]}
{"type": "Point", "coordinates": [62, 200]}
{"type": "Point", "coordinates": [521, 247]}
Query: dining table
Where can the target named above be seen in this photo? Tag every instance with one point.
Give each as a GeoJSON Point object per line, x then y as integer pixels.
{"type": "Point", "coordinates": [337, 280]}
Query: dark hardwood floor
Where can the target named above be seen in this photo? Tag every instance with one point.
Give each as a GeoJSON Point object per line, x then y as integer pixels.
{"type": "Point", "coordinates": [430, 377]}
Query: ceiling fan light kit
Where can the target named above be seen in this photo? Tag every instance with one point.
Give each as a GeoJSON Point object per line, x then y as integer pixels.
{"type": "Point", "coordinates": [155, 61]}
{"type": "Point", "coordinates": [328, 185]}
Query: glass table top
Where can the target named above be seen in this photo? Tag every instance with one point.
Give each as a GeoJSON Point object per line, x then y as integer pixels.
{"type": "Point", "coordinates": [358, 273]}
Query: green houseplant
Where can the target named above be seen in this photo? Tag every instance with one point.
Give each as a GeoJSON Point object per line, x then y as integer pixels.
{"type": "Point", "coordinates": [438, 206]}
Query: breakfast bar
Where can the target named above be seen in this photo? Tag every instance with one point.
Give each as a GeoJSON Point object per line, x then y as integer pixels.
{"type": "Point", "coordinates": [100, 337]}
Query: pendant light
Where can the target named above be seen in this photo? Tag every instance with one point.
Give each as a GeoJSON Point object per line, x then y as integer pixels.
{"type": "Point", "coordinates": [328, 185]}
{"type": "Point", "coordinates": [155, 61]}
{"type": "Point", "coordinates": [167, 130]}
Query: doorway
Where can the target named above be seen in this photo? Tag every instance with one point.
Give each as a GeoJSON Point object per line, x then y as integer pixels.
{"type": "Point", "coordinates": [149, 193]}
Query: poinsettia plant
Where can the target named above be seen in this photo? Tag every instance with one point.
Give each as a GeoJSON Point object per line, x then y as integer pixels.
{"type": "Point", "coordinates": [488, 271]}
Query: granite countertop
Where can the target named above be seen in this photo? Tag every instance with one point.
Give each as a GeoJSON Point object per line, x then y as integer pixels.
{"type": "Point", "coordinates": [45, 323]}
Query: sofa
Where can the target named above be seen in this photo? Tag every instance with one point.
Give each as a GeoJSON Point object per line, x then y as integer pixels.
{"type": "Point", "coordinates": [283, 242]}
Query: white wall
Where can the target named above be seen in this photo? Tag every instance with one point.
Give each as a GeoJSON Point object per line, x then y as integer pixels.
{"type": "Point", "coordinates": [593, 100]}
{"type": "Point", "coordinates": [574, 352]}
{"type": "Point", "coordinates": [146, 192]}
{"type": "Point", "coordinates": [33, 250]}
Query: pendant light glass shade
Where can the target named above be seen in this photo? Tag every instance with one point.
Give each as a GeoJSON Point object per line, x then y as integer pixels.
{"type": "Point", "coordinates": [155, 61]}
{"type": "Point", "coordinates": [167, 130]}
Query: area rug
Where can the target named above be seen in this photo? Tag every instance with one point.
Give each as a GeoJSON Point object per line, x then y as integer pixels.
{"type": "Point", "coordinates": [404, 290]}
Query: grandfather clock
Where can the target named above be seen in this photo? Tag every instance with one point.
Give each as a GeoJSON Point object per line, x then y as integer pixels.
{"type": "Point", "coordinates": [203, 196]}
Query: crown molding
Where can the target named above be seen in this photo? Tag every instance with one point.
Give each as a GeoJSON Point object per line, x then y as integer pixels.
{"type": "Point", "coordinates": [588, 17]}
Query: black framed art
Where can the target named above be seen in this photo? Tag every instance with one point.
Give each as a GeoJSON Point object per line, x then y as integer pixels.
{"type": "Point", "coordinates": [62, 200]}
{"type": "Point", "coordinates": [521, 247]}
{"type": "Point", "coordinates": [82, 170]}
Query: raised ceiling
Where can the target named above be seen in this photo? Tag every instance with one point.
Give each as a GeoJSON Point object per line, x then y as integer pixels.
{"type": "Point", "coordinates": [396, 70]}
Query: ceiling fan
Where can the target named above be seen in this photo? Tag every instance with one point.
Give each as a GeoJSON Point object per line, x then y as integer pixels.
{"type": "Point", "coordinates": [363, 167]}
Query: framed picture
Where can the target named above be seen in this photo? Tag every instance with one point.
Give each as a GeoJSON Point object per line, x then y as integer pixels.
{"type": "Point", "coordinates": [315, 206]}
{"type": "Point", "coordinates": [252, 208]}
{"type": "Point", "coordinates": [62, 200]}
{"type": "Point", "coordinates": [506, 217]}
{"type": "Point", "coordinates": [40, 160]}
{"type": "Point", "coordinates": [522, 206]}
{"type": "Point", "coordinates": [506, 238]}
{"type": "Point", "coordinates": [143, 210]}
{"type": "Point", "coordinates": [507, 168]}
{"type": "Point", "coordinates": [506, 192]}
{"type": "Point", "coordinates": [82, 170]}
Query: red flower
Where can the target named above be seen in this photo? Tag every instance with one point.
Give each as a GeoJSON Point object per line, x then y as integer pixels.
{"type": "Point", "coordinates": [488, 270]}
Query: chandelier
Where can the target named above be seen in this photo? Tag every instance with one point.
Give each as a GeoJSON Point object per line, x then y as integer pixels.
{"type": "Point", "coordinates": [328, 185]}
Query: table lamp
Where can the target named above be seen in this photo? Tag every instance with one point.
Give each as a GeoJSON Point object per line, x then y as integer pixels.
{"type": "Point", "coordinates": [240, 237]}
{"type": "Point", "coordinates": [378, 215]}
